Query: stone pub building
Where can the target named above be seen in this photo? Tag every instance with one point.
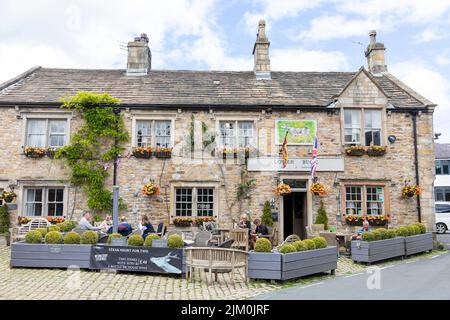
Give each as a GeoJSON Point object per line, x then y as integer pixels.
{"type": "Point", "coordinates": [202, 113]}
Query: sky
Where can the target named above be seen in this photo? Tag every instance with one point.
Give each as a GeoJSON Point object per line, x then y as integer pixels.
{"type": "Point", "coordinates": [305, 35]}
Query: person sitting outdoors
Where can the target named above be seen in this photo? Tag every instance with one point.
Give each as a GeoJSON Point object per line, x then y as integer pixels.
{"type": "Point", "coordinates": [244, 223]}
{"type": "Point", "coordinates": [145, 226]}
{"type": "Point", "coordinates": [106, 224]}
{"type": "Point", "coordinates": [85, 222]}
{"type": "Point", "coordinates": [260, 228]}
{"type": "Point", "coordinates": [124, 228]}
{"type": "Point", "coordinates": [365, 228]}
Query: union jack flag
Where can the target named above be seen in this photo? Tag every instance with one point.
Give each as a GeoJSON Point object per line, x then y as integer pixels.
{"type": "Point", "coordinates": [314, 158]}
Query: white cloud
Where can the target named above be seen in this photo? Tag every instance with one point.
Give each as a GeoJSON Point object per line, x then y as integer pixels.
{"type": "Point", "coordinates": [430, 34]}
{"type": "Point", "coordinates": [443, 58]}
{"type": "Point", "coordinates": [308, 60]}
{"type": "Point", "coordinates": [432, 85]}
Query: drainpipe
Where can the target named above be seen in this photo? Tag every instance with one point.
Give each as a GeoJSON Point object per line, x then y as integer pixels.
{"type": "Point", "coordinates": [416, 162]}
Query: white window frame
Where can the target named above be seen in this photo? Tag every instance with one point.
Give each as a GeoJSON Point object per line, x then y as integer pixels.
{"type": "Point", "coordinates": [236, 122]}
{"type": "Point", "coordinates": [46, 116]}
{"type": "Point", "coordinates": [362, 128]}
{"type": "Point", "coordinates": [45, 202]}
{"type": "Point", "coordinates": [153, 136]}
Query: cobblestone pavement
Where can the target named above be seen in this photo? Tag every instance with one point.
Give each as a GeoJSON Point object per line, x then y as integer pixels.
{"type": "Point", "coordinates": [57, 284]}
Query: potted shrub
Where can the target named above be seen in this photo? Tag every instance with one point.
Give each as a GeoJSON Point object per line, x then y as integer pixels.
{"type": "Point", "coordinates": [322, 217]}
{"type": "Point", "coordinates": [35, 152]}
{"type": "Point", "coordinates": [175, 241]}
{"type": "Point", "coordinates": [417, 239]}
{"type": "Point", "coordinates": [163, 153]}
{"type": "Point", "coordinates": [135, 240]}
{"type": "Point", "coordinates": [355, 151]}
{"type": "Point", "coordinates": [291, 260]}
{"type": "Point", "coordinates": [141, 152]}
{"type": "Point", "coordinates": [376, 151]}
{"type": "Point", "coordinates": [377, 245]}
{"type": "Point", "coordinates": [149, 239]}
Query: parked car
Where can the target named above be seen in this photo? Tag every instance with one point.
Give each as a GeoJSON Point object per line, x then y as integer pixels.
{"type": "Point", "coordinates": [442, 216]}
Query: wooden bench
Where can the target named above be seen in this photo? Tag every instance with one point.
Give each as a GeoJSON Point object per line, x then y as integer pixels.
{"type": "Point", "coordinates": [19, 233]}
{"type": "Point", "coordinates": [216, 260]}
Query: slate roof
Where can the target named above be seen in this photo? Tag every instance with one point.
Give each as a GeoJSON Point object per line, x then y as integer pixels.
{"type": "Point", "coordinates": [442, 150]}
{"type": "Point", "coordinates": [315, 89]}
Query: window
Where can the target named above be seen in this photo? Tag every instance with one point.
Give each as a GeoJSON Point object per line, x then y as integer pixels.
{"type": "Point", "coordinates": [153, 133]}
{"type": "Point", "coordinates": [46, 132]}
{"type": "Point", "coordinates": [44, 201]}
{"type": "Point", "coordinates": [442, 166]}
{"type": "Point", "coordinates": [372, 127]}
{"type": "Point", "coordinates": [354, 126]}
{"type": "Point", "coordinates": [236, 133]}
{"type": "Point", "coordinates": [442, 194]}
{"type": "Point", "coordinates": [191, 202]}
{"type": "Point", "coordinates": [372, 205]}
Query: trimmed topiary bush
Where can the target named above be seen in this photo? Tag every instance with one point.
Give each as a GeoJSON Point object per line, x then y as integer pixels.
{"type": "Point", "coordinates": [310, 244]}
{"type": "Point", "coordinates": [89, 237]}
{"type": "Point", "coordinates": [382, 233]}
{"type": "Point", "coordinates": [43, 231]}
{"type": "Point", "coordinates": [54, 237]}
{"type": "Point", "coordinates": [300, 245]}
{"type": "Point", "coordinates": [369, 236]}
{"type": "Point", "coordinates": [422, 227]}
{"type": "Point", "coordinates": [287, 248]}
{"type": "Point", "coordinates": [266, 217]}
{"type": "Point", "coordinates": [263, 245]}
{"type": "Point", "coordinates": [136, 240]}
{"type": "Point", "coordinates": [72, 238]}
{"type": "Point", "coordinates": [390, 234]}
{"type": "Point", "coordinates": [149, 239]}
{"type": "Point", "coordinates": [320, 242]}
{"type": "Point", "coordinates": [33, 236]}
{"type": "Point", "coordinates": [175, 241]}
{"type": "Point", "coordinates": [414, 230]}
{"type": "Point", "coordinates": [322, 217]}
{"type": "Point", "coordinates": [53, 228]}
{"type": "Point", "coordinates": [113, 235]}
{"type": "Point", "coordinates": [65, 226]}
{"type": "Point", "coordinates": [403, 232]}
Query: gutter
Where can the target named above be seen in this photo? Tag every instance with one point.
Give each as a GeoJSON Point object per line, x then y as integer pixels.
{"type": "Point", "coordinates": [416, 163]}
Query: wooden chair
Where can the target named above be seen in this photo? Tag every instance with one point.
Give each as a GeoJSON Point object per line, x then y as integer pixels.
{"type": "Point", "coordinates": [271, 235]}
{"type": "Point", "coordinates": [161, 232]}
{"type": "Point", "coordinates": [216, 260]}
{"type": "Point", "coordinates": [240, 237]}
{"type": "Point", "coordinates": [19, 233]}
{"type": "Point", "coordinates": [202, 239]}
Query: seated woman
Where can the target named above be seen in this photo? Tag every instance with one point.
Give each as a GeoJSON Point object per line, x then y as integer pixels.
{"type": "Point", "coordinates": [106, 224]}
{"type": "Point", "coordinates": [145, 226]}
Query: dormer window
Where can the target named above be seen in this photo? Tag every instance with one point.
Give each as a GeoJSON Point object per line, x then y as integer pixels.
{"type": "Point", "coordinates": [367, 121]}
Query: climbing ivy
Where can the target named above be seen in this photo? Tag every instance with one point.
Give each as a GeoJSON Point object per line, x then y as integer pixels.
{"type": "Point", "coordinates": [99, 140]}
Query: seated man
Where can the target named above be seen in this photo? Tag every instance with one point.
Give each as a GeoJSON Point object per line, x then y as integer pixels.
{"type": "Point", "coordinates": [85, 223]}
{"type": "Point", "coordinates": [124, 228]}
{"type": "Point", "coordinates": [365, 228]}
{"type": "Point", "coordinates": [260, 228]}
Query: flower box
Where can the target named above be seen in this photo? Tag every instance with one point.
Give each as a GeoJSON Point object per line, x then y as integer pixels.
{"type": "Point", "coordinates": [163, 153]}
{"type": "Point", "coordinates": [50, 255]}
{"type": "Point", "coordinates": [143, 153]}
{"type": "Point", "coordinates": [368, 252]}
{"type": "Point", "coordinates": [355, 151]}
{"type": "Point", "coordinates": [418, 243]}
{"type": "Point", "coordinates": [373, 220]}
{"type": "Point", "coordinates": [35, 152]}
{"type": "Point", "coordinates": [376, 151]}
{"type": "Point", "coordinates": [182, 222]}
{"type": "Point", "coordinates": [51, 152]}
{"type": "Point", "coordinates": [277, 266]}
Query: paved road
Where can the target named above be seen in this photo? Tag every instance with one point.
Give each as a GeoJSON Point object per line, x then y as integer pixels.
{"type": "Point", "coordinates": [445, 238]}
{"type": "Point", "coordinates": [428, 278]}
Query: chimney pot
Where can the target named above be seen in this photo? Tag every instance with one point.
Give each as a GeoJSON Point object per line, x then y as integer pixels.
{"type": "Point", "coordinates": [375, 55]}
{"type": "Point", "coordinates": [261, 53]}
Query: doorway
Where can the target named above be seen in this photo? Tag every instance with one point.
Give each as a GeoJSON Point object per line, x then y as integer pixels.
{"type": "Point", "coordinates": [294, 214]}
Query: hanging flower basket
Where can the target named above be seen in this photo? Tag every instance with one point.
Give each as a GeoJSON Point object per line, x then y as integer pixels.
{"type": "Point", "coordinates": [283, 190]}
{"type": "Point", "coordinates": [151, 189]}
{"type": "Point", "coordinates": [410, 191]}
{"type": "Point", "coordinates": [355, 151]}
{"type": "Point", "coordinates": [8, 196]}
{"type": "Point", "coordinates": [163, 153]}
{"type": "Point", "coordinates": [182, 222]}
{"type": "Point", "coordinates": [144, 153]}
{"type": "Point", "coordinates": [376, 151]}
{"type": "Point", "coordinates": [318, 189]}
{"type": "Point", "coordinates": [35, 152]}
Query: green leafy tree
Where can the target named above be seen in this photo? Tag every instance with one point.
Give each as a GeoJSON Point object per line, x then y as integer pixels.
{"type": "Point", "coordinates": [100, 139]}
{"type": "Point", "coordinates": [4, 219]}
{"type": "Point", "coordinates": [322, 217]}
{"type": "Point", "coordinates": [266, 218]}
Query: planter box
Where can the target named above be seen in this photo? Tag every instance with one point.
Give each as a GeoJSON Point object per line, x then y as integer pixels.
{"type": "Point", "coordinates": [363, 251]}
{"type": "Point", "coordinates": [50, 255]}
{"type": "Point", "coordinates": [277, 266]}
{"type": "Point", "coordinates": [419, 243]}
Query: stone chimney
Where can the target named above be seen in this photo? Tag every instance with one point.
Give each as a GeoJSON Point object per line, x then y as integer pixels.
{"type": "Point", "coordinates": [261, 53]}
{"type": "Point", "coordinates": [139, 56]}
{"type": "Point", "coordinates": [375, 55]}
